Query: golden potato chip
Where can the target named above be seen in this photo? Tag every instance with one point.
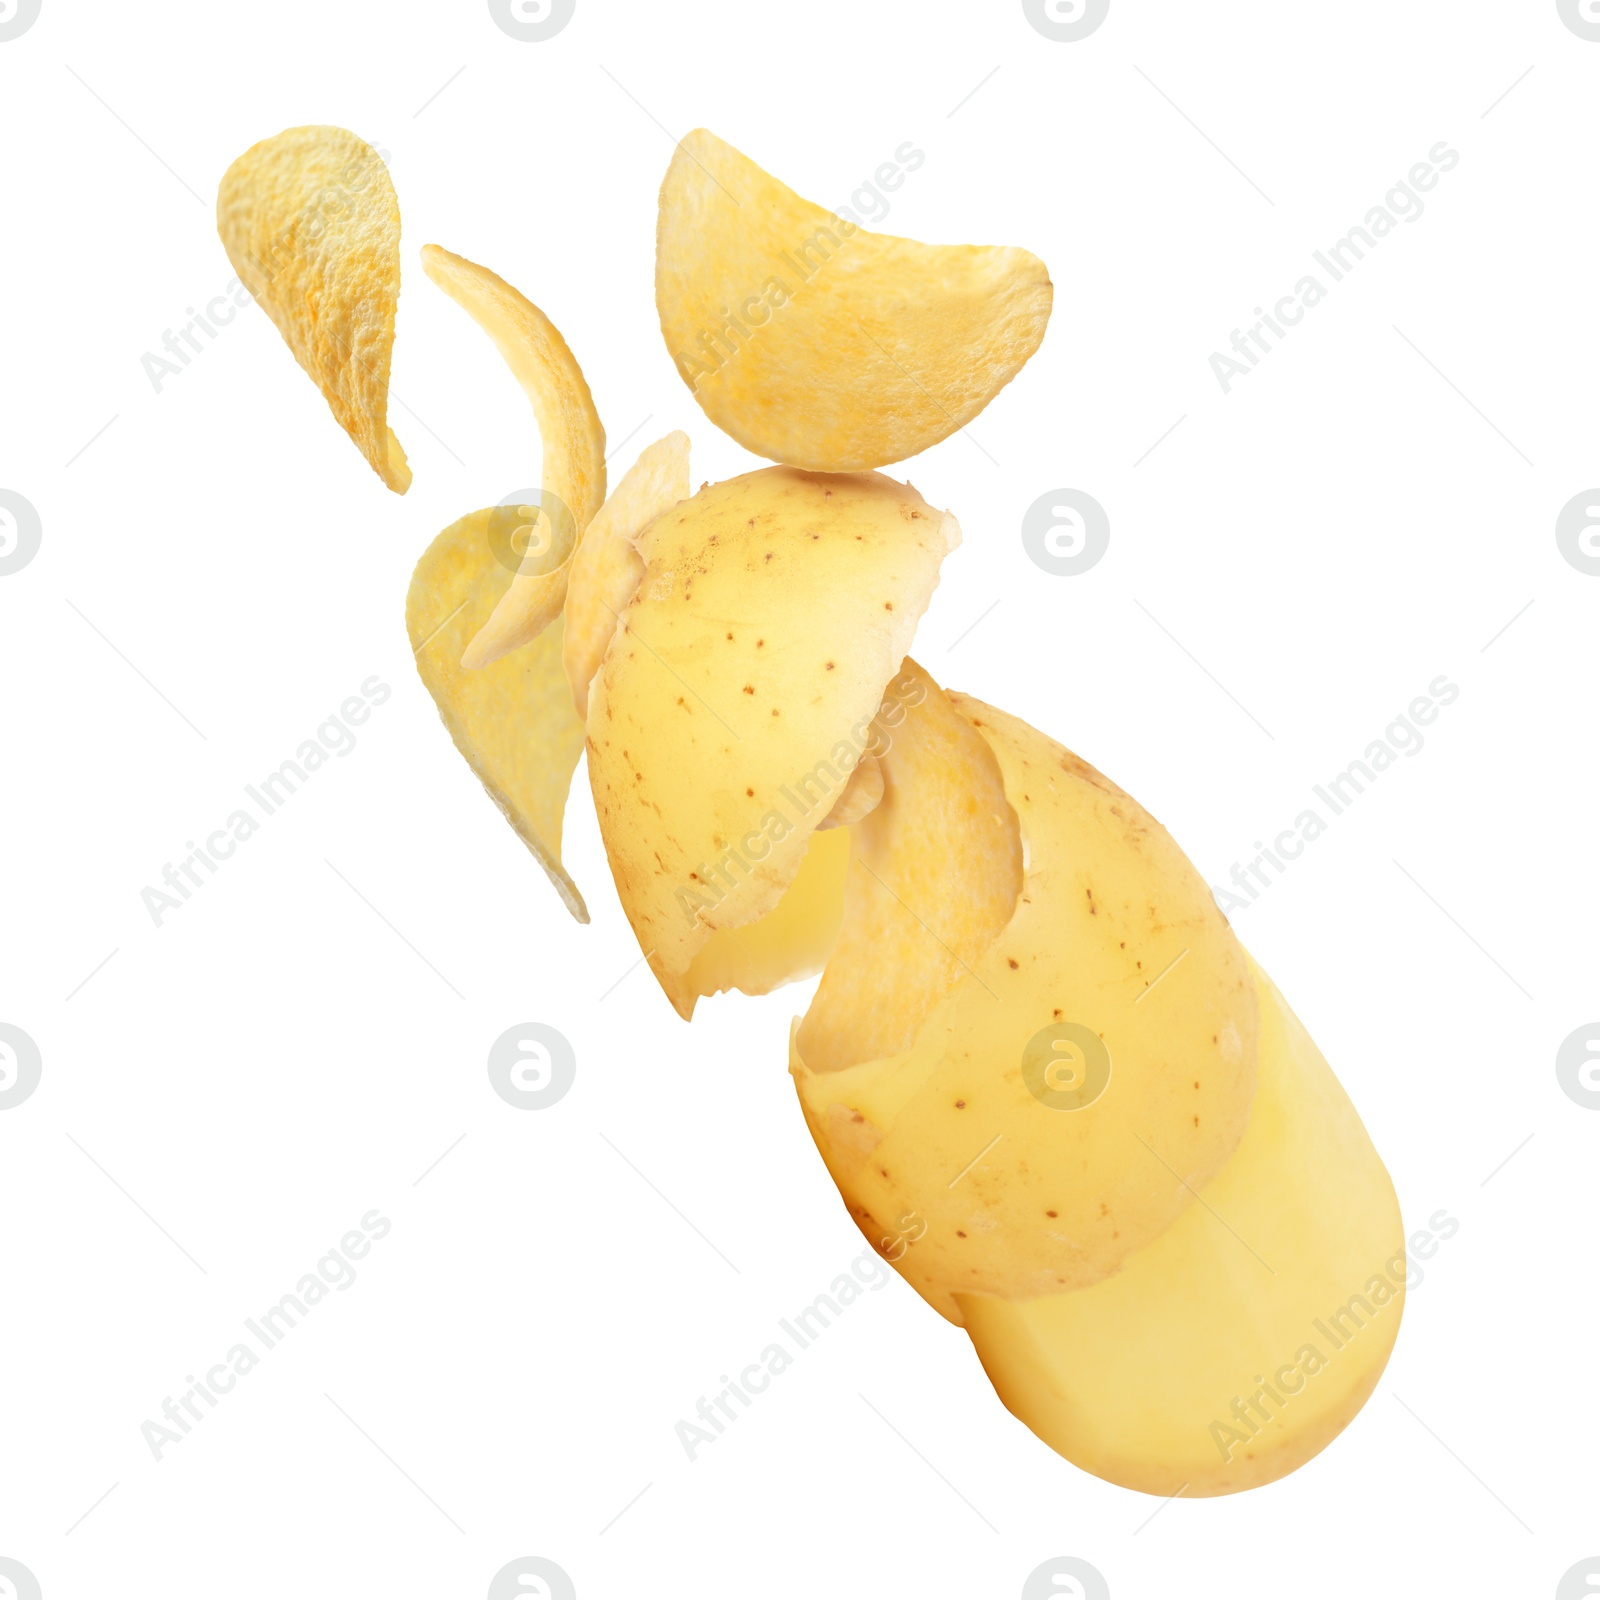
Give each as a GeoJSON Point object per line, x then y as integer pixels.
{"type": "Point", "coordinates": [573, 442]}
{"type": "Point", "coordinates": [740, 690]}
{"type": "Point", "coordinates": [513, 720]}
{"type": "Point", "coordinates": [935, 870]}
{"type": "Point", "coordinates": [606, 567]}
{"type": "Point", "coordinates": [311, 224]}
{"type": "Point", "coordinates": [816, 343]}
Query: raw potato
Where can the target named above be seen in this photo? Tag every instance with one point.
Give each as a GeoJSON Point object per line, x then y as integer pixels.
{"type": "Point", "coordinates": [816, 343]}
{"type": "Point", "coordinates": [1050, 1085]}
{"type": "Point", "coordinates": [1055, 1199]}
{"type": "Point", "coordinates": [1280, 1297]}
{"type": "Point", "coordinates": [311, 224]}
{"type": "Point", "coordinates": [606, 567]}
{"type": "Point", "coordinates": [573, 443]}
{"type": "Point", "coordinates": [512, 721]}
{"type": "Point", "coordinates": [740, 691]}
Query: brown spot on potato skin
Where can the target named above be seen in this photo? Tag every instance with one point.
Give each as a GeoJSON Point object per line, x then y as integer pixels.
{"type": "Point", "coordinates": [961, 1105]}
{"type": "Point", "coordinates": [1052, 1213]}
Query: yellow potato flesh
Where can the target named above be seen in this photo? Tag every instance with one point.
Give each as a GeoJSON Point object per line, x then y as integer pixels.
{"type": "Point", "coordinates": [1020, 1199]}
{"type": "Point", "coordinates": [570, 435]}
{"type": "Point", "coordinates": [739, 691]}
{"type": "Point", "coordinates": [513, 721]}
{"type": "Point", "coordinates": [310, 221]}
{"type": "Point", "coordinates": [1281, 1295]}
{"type": "Point", "coordinates": [792, 941]}
{"type": "Point", "coordinates": [814, 342]}
{"type": "Point", "coordinates": [606, 567]}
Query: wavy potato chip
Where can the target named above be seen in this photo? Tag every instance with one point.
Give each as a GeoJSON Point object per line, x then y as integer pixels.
{"type": "Point", "coordinates": [311, 224]}
{"type": "Point", "coordinates": [606, 567]}
{"type": "Point", "coordinates": [816, 343]}
{"type": "Point", "coordinates": [573, 442]}
{"type": "Point", "coordinates": [513, 720]}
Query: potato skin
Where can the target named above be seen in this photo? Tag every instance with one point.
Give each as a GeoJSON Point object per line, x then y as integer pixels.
{"type": "Point", "coordinates": [737, 692]}
{"type": "Point", "coordinates": [1018, 1199]}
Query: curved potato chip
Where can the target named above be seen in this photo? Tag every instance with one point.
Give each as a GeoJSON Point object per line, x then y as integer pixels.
{"type": "Point", "coordinates": [816, 343]}
{"type": "Point", "coordinates": [311, 224]}
{"type": "Point", "coordinates": [606, 567]}
{"type": "Point", "coordinates": [935, 871]}
{"type": "Point", "coordinates": [513, 721]}
{"type": "Point", "coordinates": [573, 442]}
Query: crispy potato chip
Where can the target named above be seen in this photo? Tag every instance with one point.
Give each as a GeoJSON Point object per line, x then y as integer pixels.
{"type": "Point", "coordinates": [816, 343]}
{"type": "Point", "coordinates": [311, 224]}
{"type": "Point", "coordinates": [606, 567]}
{"type": "Point", "coordinates": [740, 691]}
{"type": "Point", "coordinates": [513, 721]}
{"type": "Point", "coordinates": [861, 795]}
{"type": "Point", "coordinates": [573, 442]}
{"type": "Point", "coordinates": [935, 870]}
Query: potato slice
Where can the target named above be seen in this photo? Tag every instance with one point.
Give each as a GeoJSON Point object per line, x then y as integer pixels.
{"type": "Point", "coordinates": [573, 443]}
{"type": "Point", "coordinates": [1115, 934]}
{"type": "Point", "coordinates": [607, 566]}
{"type": "Point", "coordinates": [740, 691]}
{"type": "Point", "coordinates": [816, 343]}
{"type": "Point", "coordinates": [513, 720]}
{"type": "Point", "coordinates": [311, 224]}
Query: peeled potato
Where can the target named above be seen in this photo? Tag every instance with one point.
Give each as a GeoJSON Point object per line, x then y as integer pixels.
{"type": "Point", "coordinates": [573, 443]}
{"type": "Point", "coordinates": [816, 343]}
{"type": "Point", "coordinates": [513, 721]}
{"type": "Point", "coordinates": [741, 689]}
{"type": "Point", "coordinates": [311, 224]}
{"type": "Point", "coordinates": [1232, 1348]}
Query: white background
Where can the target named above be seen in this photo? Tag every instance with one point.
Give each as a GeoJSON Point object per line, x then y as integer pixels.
{"type": "Point", "coordinates": [229, 1093]}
